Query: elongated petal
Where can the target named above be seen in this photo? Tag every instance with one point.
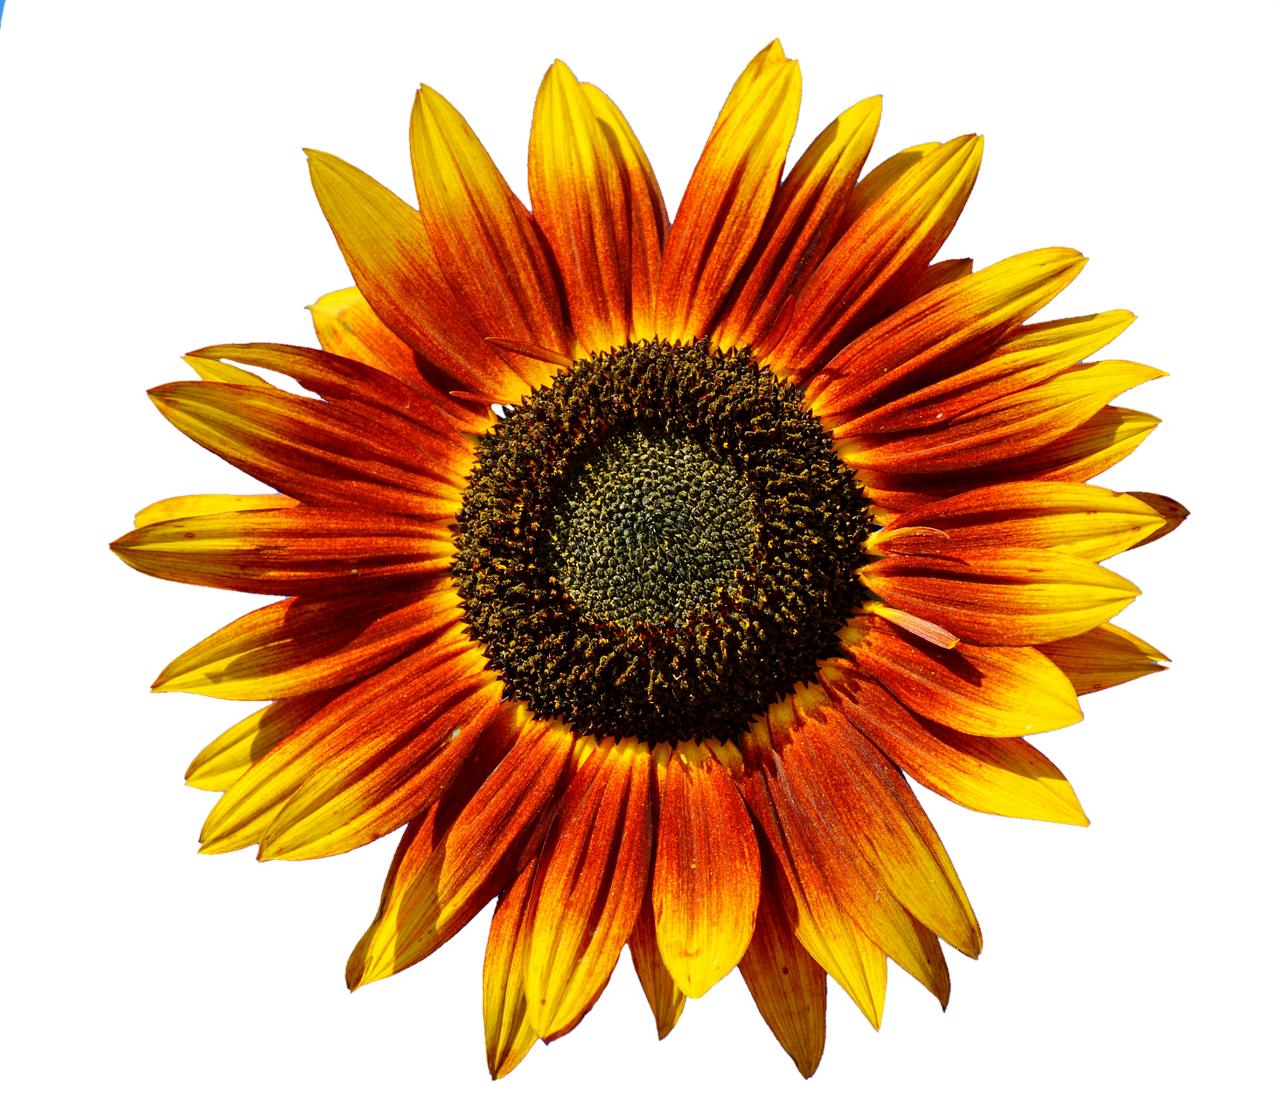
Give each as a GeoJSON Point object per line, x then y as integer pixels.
{"type": "Point", "coordinates": [937, 275]}
{"type": "Point", "coordinates": [228, 757]}
{"type": "Point", "coordinates": [1089, 522]}
{"type": "Point", "coordinates": [1028, 418]}
{"type": "Point", "coordinates": [371, 791]}
{"type": "Point", "coordinates": [665, 998]}
{"type": "Point", "coordinates": [201, 505]}
{"type": "Point", "coordinates": [1103, 658]}
{"type": "Point", "coordinates": [482, 237]}
{"type": "Point", "coordinates": [1002, 596]}
{"type": "Point", "coordinates": [881, 816]}
{"type": "Point", "coordinates": [789, 988]}
{"type": "Point", "coordinates": [316, 452]}
{"type": "Point", "coordinates": [416, 910]}
{"type": "Point", "coordinates": [957, 325]}
{"type": "Point", "coordinates": [816, 907]}
{"type": "Point", "coordinates": [835, 862]}
{"type": "Point", "coordinates": [579, 202]}
{"type": "Point", "coordinates": [802, 223]}
{"type": "Point", "coordinates": [454, 860]}
{"type": "Point", "coordinates": [706, 872]}
{"type": "Point", "coordinates": [396, 705]}
{"type": "Point", "coordinates": [1003, 776]}
{"type": "Point", "coordinates": [1029, 355]}
{"type": "Point", "coordinates": [881, 257]}
{"type": "Point", "coordinates": [290, 551]}
{"type": "Point", "coordinates": [507, 1033]}
{"type": "Point", "coordinates": [303, 645]}
{"type": "Point", "coordinates": [221, 374]}
{"type": "Point", "coordinates": [988, 691]}
{"type": "Point", "coordinates": [1084, 452]}
{"type": "Point", "coordinates": [387, 250]}
{"type": "Point", "coordinates": [728, 198]}
{"type": "Point", "coordinates": [345, 325]}
{"type": "Point", "coordinates": [646, 223]}
{"type": "Point", "coordinates": [416, 413]}
{"type": "Point", "coordinates": [592, 873]}
{"type": "Point", "coordinates": [1172, 512]}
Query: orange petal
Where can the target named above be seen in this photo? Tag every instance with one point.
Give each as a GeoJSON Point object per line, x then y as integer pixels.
{"type": "Point", "coordinates": [1173, 513]}
{"type": "Point", "coordinates": [1103, 658]}
{"type": "Point", "coordinates": [302, 645]}
{"type": "Point", "coordinates": [482, 237]}
{"type": "Point", "coordinates": [452, 861]}
{"type": "Point", "coordinates": [666, 1000]}
{"type": "Point", "coordinates": [319, 453]}
{"type": "Point", "coordinates": [1003, 776]}
{"type": "Point", "coordinates": [387, 250]}
{"type": "Point", "coordinates": [987, 691]}
{"type": "Point", "coordinates": [1027, 356]}
{"type": "Point", "coordinates": [1002, 596]}
{"type": "Point", "coordinates": [728, 198]}
{"type": "Point", "coordinates": [789, 988]}
{"type": "Point", "coordinates": [228, 757]}
{"type": "Point", "coordinates": [345, 325]}
{"type": "Point", "coordinates": [881, 257]}
{"type": "Point", "coordinates": [954, 326]}
{"type": "Point", "coordinates": [1024, 419]}
{"type": "Point", "coordinates": [1078, 520]}
{"type": "Point", "coordinates": [371, 791]}
{"type": "Point", "coordinates": [647, 223]}
{"type": "Point", "coordinates": [706, 872]}
{"type": "Point", "coordinates": [507, 1033]}
{"type": "Point", "coordinates": [881, 816]}
{"type": "Point", "coordinates": [201, 505]}
{"type": "Point", "coordinates": [290, 551]}
{"type": "Point", "coordinates": [802, 224]}
{"type": "Point", "coordinates": [934, 634]}
{"type": "Point", "coordinates": [579, 202]}
{"type": "Point", "coordinates": [937, 275]}
{"type": "Point", "coordinates": [817, 906]}
{"type": "Point", "coordinates": [1084, 452]}
{"type": "Point", "coordinates": [221, 374]}
{"type": "Point", "coordinates": [399, 705]}
{"type": "Point", "coordinates": [590, 885]}
{"type": "Point", "coordinates": [417, 413]}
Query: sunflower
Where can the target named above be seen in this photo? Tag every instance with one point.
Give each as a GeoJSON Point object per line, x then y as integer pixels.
{"type": "Point", "coordinates": [631, 565]}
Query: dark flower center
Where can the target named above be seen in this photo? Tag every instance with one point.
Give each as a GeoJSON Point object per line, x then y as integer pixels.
{"type": "Point", "coordinates": [659, 544]}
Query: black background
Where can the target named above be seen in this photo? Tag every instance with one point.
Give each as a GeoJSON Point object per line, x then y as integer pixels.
{"type": "Point", "coordinates": [1092, 141]}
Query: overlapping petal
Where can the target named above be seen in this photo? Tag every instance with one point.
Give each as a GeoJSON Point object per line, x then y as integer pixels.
{"type": "Point", "coordinates": [302, 645]}
{"type": "Point", "coordinates": [1104, 657]}
{"type": "Point", "coordinates": [1001, 775]}
{"type": "Point", "coordinates": [728, 198]}
{"type": "Point", "coordinates": [468, 847]}
{"type": "Point", "coordinates": [590, 884]}
{"type": "Point", "coordinates": [482, 238]}
{"type": "Point", "coordinates": [580, 203]}
{"type": "Point", "coordinates": [882, 255]}
{"type": "Point", "coordinates": [1077, 520]}
{"type": "Point", "coordinates": [313, 451]}
{"type": "Point", "coordinates": [998, 691]}
{"type": "Point", "coordinates": [804, 219]}
{"type": "Point", "coordinates": [787, 984]}
{"type": "Point", "coordinates": [1002, 596]}
{"type": "Point", "coordinates": [390, 258]}
{"type": "Point", "coordinates": [404, 709]}
{"type": "Point", "coordinates": [290, 551]}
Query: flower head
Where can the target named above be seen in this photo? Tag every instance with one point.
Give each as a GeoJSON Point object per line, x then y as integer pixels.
{"type": "Point", "coordinates": [773, 510]}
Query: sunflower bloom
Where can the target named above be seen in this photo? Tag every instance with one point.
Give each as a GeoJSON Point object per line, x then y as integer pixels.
{"type": "Point", "coordinates": [631, 565]}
